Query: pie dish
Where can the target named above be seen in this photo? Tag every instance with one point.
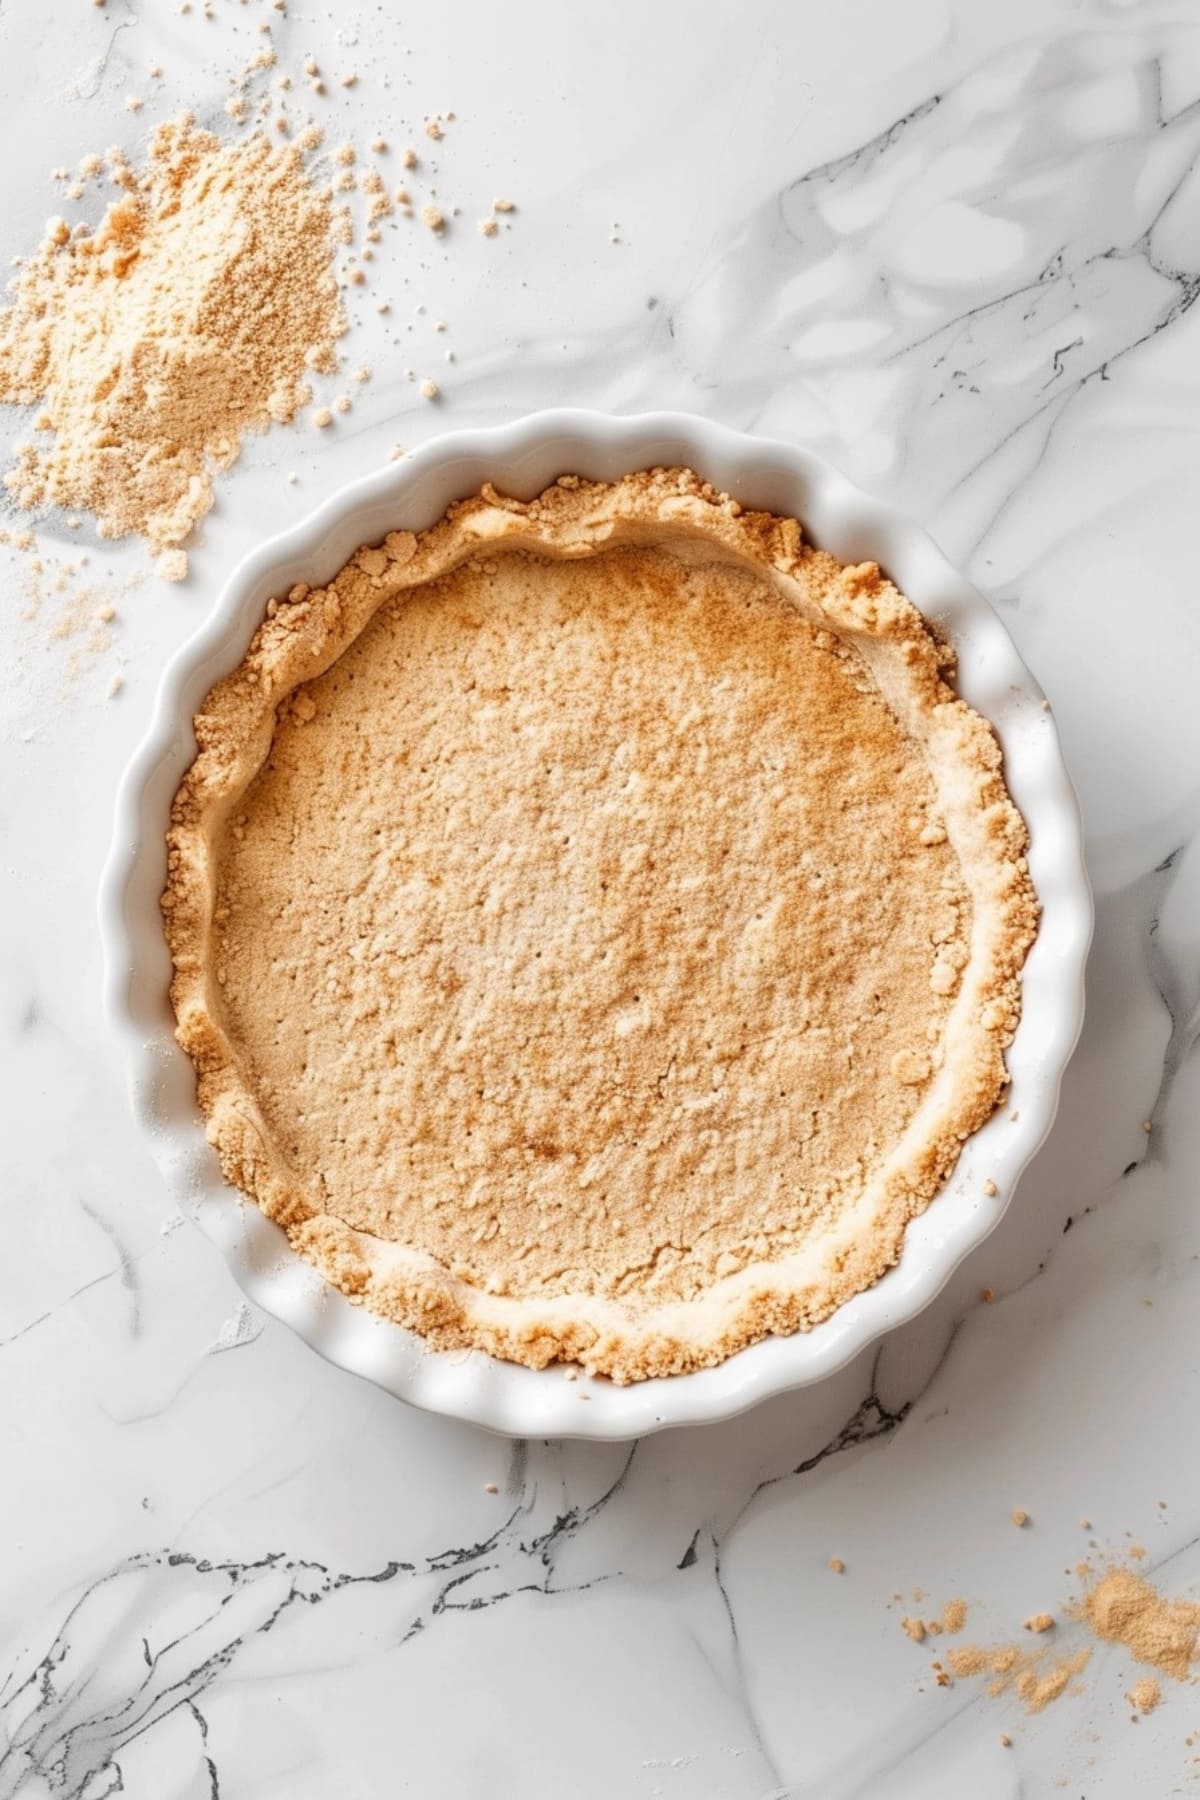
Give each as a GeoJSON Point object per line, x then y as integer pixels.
{"type": "Point", "coordinates": [597, 925]}
{"type": "Point", "coordinates": [523, 1056]}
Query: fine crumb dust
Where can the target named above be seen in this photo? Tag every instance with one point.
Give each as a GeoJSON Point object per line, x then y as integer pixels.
{"type": "Point", "coordinates": [1037, 1677]}
{"type": "Point", "coordinates": [69, 606]}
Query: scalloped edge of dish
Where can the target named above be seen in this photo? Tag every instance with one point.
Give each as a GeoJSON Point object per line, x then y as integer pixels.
{"type": "Point", "coordinates": [523, 457]}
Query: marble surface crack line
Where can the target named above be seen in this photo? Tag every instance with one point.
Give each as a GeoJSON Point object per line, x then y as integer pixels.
{"type": "Point", "coordinates": [214, 1784]}
{"type": "Point", "coordinates": [868, 151]}
{"type": "Point", "coordinates": [50, 1734]}
{"type": "Point", "coordinates": [1183, 1020]}
{"type": "Point", "coordinates": [869, 1421]}
{"type": "Point", "coordinates": [743, 1687]}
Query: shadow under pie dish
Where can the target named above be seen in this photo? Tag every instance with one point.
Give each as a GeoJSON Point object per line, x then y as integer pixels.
{"type": "Point", "coordinates": [597, 925]}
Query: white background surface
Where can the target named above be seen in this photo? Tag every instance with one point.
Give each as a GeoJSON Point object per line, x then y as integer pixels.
{"type": "Point", "coordinates": [953, 248]}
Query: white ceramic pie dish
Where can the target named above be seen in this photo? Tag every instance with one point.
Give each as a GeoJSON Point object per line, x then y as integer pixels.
{"type": "Point", "coordinates": [522, 458]}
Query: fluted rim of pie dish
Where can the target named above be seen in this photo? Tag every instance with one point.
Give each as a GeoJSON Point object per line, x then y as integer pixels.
{"type": "Point", "coordinates": [522, 458]}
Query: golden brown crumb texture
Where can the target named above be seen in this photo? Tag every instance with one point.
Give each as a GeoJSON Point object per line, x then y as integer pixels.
{"type": "Point", "coordinates": [597, 925]}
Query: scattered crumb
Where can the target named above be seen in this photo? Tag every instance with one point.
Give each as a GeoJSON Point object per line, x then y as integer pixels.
{"type": "Point", "coordinates": [133, 104]}
{"type": "Point", "coordinates": [988, 1296]}
{"type": "Point", "coordinates": [1019, 1516]}
{"type": "Point", "coordinates": [1145, 1694]}
{"type": "Point", "coordinates": [1005, 1740]}
{"type": "Point", "coordinates": [430, 389]}
{"type": "Point", "coordinates": [837, 1565]}
{"type": "Point", "coordinates": [433, 129]}
{"type": "Point", "coordinates": [504, 206]}
{"type": "Point", "coordinates": [488, 227]}
{"type": "Point", "coordinates": [433, 217]}
{"type": "Point", "coordinates": [322, 417]}
{"type": "Point", "coordinates": [489, 1487]}
{"type": "Point", "coordinates": [951, 1620]}
{"type": "Point", "coordinates": [990, 1188]}
{"type": "Point", "coordinates": [408, 157]}
{"type": "Point", "coordinates": [1040, 1622]}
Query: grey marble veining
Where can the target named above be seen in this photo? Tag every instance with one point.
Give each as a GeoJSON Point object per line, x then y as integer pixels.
{"type": "Point", "coordinates": [956, 250]}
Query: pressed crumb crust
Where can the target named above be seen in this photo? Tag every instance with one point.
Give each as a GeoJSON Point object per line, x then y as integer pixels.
{"type": "Point", "coordinates": [597, 925]}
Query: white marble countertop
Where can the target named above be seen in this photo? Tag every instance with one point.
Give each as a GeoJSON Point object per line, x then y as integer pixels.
{"type": "Point", "coordinates": [953, 248]}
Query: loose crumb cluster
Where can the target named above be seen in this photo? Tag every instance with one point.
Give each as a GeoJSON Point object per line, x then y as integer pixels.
{"type": "Point", "coordinates": [1145, 1694]}
{"type": "Point", "coordinates": [950, 1620]}
{"type": "Point", "coordinates": [1122, 1608]}
{"type": "Point", "coordinates": [142, 343]}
